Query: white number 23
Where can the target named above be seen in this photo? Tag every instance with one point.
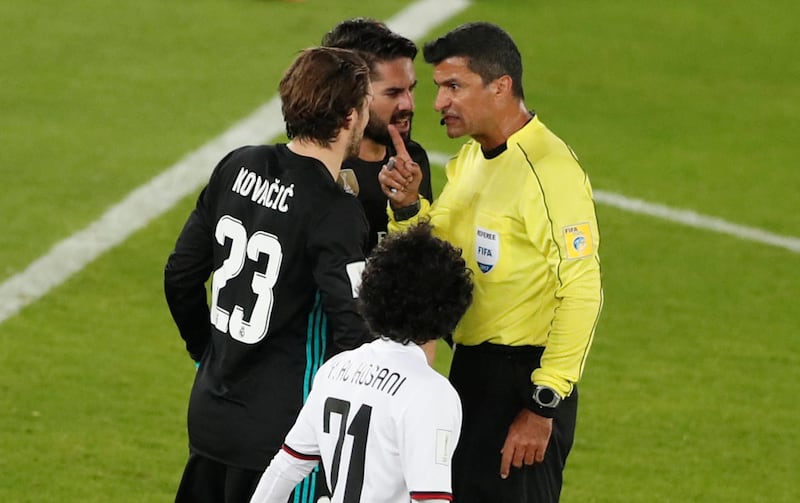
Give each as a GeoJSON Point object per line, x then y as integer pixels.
{"type": "Point", "coordinates": [261, 243]}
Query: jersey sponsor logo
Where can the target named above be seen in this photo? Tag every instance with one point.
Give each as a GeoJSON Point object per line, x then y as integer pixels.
{"type": "Point", "coordinates": [270, 194]}
{"type": "Point", "coordinates": [443, 446]}
{"type": "Point", "coordinates": [578, 240]}
{"type": "Point", "coordinates": [487, 249]}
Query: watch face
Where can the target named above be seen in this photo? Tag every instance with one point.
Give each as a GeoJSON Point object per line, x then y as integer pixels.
{"type": "Point", "coordinates": [546, 397]}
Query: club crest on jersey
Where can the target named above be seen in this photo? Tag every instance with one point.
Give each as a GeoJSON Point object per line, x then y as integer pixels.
{"type": "Point", "coordinates": [487, 249]}
{"type": "Point", "coordinates": [578, 240]}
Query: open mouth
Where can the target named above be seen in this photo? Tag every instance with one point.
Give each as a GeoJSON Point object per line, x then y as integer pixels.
{"type": "Point", "coordinates": [402, 124]}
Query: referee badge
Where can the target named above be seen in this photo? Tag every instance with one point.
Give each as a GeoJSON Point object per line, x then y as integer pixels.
{"type": "Point", "coordinates": [578, 240]}
{"type": "Point", "coordinates": [487, 249]}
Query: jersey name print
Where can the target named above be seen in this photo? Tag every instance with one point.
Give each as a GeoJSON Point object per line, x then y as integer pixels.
{"type": "Point", "coordinates": [268, 193]}
{"type": "Point", "coordinates": [368, 374]}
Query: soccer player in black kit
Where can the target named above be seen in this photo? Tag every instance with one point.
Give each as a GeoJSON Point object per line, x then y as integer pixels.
{"type": "Point", "coordinates": [283, 245]}
{"type": "Point", "coordinates": [393, 80]}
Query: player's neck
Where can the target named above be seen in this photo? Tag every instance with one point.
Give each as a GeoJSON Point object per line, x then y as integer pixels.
{"type": "Point", "coordinates": [371, 151]}
{"type": "Point", "coordinates": [429, 348]}
{"type": "Point", "coordinates": [331, 156]}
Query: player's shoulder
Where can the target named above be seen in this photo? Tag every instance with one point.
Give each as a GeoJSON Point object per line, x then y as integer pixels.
{"type": "Point", "coordinates": [252, 151]}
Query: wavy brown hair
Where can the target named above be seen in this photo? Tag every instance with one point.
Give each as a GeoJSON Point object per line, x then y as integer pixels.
{"type": "Point", "coordinates": [319, 90]}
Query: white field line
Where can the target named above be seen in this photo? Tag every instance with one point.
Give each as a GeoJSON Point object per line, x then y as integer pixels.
{"type": "Point", "coordinates": [180, 180]}
{"type": "Point", "coordinates": [684, 217]}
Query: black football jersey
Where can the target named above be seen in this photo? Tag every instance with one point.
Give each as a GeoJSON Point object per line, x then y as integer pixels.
{"type": "Point", "coordinates": [373, 199]}
{"type": "Point", "coordinates": [282, 245]}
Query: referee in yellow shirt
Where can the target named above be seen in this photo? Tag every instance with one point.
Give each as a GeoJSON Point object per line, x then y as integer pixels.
{"type": "Point", "coordinates": [520, 207]}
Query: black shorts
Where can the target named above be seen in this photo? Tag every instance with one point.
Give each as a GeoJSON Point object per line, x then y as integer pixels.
{"type": "Point", "coordinates": [494, 383]}
{"type": "Point", "coordinates": [208, 481]}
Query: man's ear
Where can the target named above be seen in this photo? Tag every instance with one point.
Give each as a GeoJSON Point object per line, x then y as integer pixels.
{"type": "Point", "coordinates": [503, 86]}
{"type": "Point", "coordinates": [351, 119]}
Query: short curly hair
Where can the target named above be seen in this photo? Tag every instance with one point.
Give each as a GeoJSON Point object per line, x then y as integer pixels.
{"type": "Point", "coordinates": [415, 287]}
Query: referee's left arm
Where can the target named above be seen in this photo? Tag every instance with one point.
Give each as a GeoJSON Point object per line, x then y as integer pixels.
{"type": "Point", "coordinates": [572, 252]}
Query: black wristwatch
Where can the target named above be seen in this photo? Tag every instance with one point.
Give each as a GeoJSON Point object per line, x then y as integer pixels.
{"type": "Point", "coordinates": [406, 212]}
{"type": "Point", "coordinates": [545, 400]}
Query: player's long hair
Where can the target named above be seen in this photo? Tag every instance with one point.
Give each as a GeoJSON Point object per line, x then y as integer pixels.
{"type": "Point", "coordinates": [319, 90]}
{"type": "Point", "coordinates": [415, 287]}
{"type": "Point", "coordinates": [491, 52]}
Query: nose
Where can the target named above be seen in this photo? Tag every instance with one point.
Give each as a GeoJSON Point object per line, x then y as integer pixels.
{"type": "Point", "coordinates": [442, 100]}
{"type": "Point", "coordinates": [406, 101]}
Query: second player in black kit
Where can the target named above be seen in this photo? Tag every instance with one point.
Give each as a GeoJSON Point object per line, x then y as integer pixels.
{"type": "Point", "coordinates": [283, 245]}
{"type": "Point", "coordinates": [391, 58]}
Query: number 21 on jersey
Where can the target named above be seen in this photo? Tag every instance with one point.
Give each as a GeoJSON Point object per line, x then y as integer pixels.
{"type": "Point", "coordinates": [251, 330]}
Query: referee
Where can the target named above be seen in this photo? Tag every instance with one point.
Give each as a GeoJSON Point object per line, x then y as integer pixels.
{"type": "Point", "coordinates": [520, 207]}
{"type": "Point", "coordinates": [282, 244]}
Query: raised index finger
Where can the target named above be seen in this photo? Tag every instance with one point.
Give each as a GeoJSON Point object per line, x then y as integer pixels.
{"type": "Point", "coordinates": [399, 144]}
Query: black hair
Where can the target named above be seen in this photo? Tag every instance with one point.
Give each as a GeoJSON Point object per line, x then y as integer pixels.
{"type": "Point", "coordinates": [370, 36]}
{"type": "Point", "coordinates": [415, 287]}
{"type": "Point", "coordinates": [490, 50]}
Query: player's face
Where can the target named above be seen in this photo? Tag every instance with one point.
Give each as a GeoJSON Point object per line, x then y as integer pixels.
{"type": "Point", "coordinates": [393, 103]}
{"type": "Point", "coordinates": [358, 130]}
{"type": "Point", "coordinates": [462, 98]}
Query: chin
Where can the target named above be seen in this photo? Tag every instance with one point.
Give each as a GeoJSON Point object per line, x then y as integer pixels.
{"type": "Point", "coordinates": [453, 132]}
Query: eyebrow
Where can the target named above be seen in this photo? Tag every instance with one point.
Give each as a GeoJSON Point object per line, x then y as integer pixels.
{"type": "Point", "coordinates": [400, 89]}
{"type": "Point", "coordinates": [446, 82]}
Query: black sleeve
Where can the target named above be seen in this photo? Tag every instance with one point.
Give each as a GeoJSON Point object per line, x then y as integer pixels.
{"type": "Point", "coordinates": [188, 268]}
{"type": "Point", "coordinates": [336, 246]}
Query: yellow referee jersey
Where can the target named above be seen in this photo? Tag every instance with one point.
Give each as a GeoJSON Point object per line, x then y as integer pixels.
{"type": "Point", "coordinates": [526, 224]}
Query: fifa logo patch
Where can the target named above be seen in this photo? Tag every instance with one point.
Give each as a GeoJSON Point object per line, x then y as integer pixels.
{"type": "Point", "coordinates": [487, 249]}
{"type": "Point", "coordinates": [444, 446]}
{"type": "Point", "coordinates": [578, 240]}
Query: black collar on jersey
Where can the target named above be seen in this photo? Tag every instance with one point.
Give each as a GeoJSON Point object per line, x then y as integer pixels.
{"type": "Point", "coordinates": [491, 154]}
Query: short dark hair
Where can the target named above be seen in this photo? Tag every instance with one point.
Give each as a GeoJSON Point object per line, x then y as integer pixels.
{"type": "Point", "coordinates": [319, 90]}
{"type": "Point", "coordinates": [415, 287]}
{"type": "Point", "coordinates": [490, 50]}
{"type": "Point", "coordinates": [372, 37]}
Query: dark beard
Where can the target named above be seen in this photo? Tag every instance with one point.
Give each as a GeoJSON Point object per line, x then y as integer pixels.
{"type": "Point", "coordinates": [378, 131]}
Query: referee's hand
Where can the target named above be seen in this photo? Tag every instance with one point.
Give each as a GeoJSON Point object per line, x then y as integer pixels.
{"type": "Point", "coordinates": [526, 441]}
{"type": "Point", "coordinates": [400, 182]}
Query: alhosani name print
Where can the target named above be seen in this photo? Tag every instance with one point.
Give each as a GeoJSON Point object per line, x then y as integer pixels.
{"type": "Point", "coordinates": [367, 374]}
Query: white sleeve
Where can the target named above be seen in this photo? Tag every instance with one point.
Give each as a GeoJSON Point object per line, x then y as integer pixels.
{"type": "Point", "coordinates": [280, 478]}
{"type": "Point", "coordinates": [430, 429]}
